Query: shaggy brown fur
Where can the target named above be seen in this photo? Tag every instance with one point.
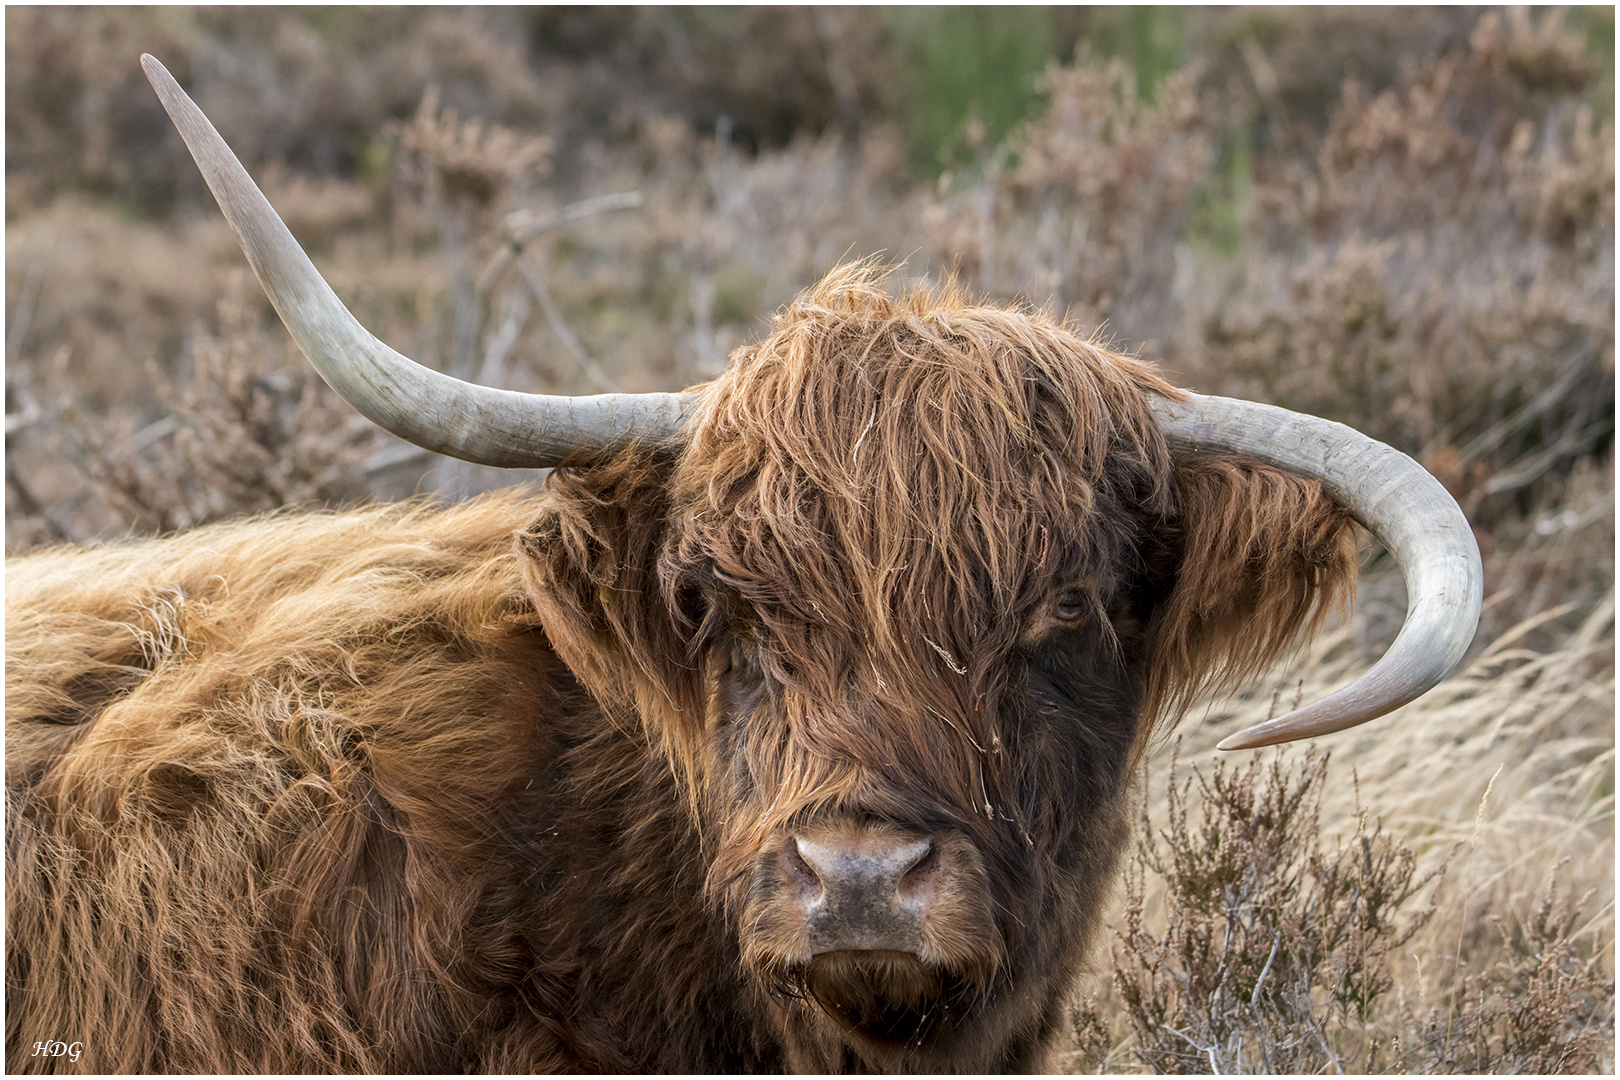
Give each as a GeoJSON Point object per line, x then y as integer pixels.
{"type": "Point", "coordinates": [381, 791]}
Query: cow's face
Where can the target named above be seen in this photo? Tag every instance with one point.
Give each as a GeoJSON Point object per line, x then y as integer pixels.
{"type": "Point", "coordinates": [927, 568]}
{"type": "Point", "coordinates": [894, 616]}
{"type": "Point", "coordinates": [903, 834]}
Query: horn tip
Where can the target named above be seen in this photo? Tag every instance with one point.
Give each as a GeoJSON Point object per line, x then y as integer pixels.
{"type": "Point", "coordinates": [157, 74]}
{"type": "Point", "coordinates": [1238, 742]}
{"type": "Point", "coordinates": [1271, 733]}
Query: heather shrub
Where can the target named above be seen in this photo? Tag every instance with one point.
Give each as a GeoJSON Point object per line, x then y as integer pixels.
{"type": "Point", "coordinates": [1440, 266]}
{"type": "Point", "coordinates": [1431, 263]}
{"type": "Point", "coordinates": [1270, 938]}
{"type": "Point", "coordinates": [1544, 1007]}
{"type": "Point", "coordinates": [1085, 205]}
{"type": "Point", "coordinates": [1436, 270]}
{"type": "Point", "coordinates": [250, 428]}
{"type": "Point", "coordinates": [1251, 941]}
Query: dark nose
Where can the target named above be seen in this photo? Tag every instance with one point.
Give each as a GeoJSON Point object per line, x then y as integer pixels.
{"type": "Point", "coordinates": [865, 889]}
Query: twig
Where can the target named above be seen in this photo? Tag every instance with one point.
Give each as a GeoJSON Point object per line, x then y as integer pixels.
{"type": "Point", "coordinates": [1530, 468]}
{"type": "Point", "coordinates": [500, 345]}
{"type": "Point", "coordinates": [680, 46]}
{"type": "Point", "coordinates": [21, 421]}
{"type": "Point", "coordinates": [1333, 1058]}
{"type": "Point", "coordinates": [521, 226]}
{"type": "Point", "coordinates": [392, 457]}
{"type": "Point", "coordinates": [830, 29]}
{"type": "Point", "coordinates": [537, 285]}
{"type": "Point", "coordinates": [29, 504]}
{"type": "Point", "coordinates": [151, 433]}
{"type": "Point", "coordinates": [1254, 998]}
{"type": "Point", "coordinates": [1473, 849]}
{"type": "Point", "coordinates": [1265, 83]}
{"type": "Point", "coordinates": [1254, 1007]}
{"type": "Point", "coordinates": [985, 203]}
{"type": "Point", "coordinates": [703, 343]}
{"type": "Point", "coordinates": [1523, 417]}
{"type": "Point", "coordinates": [1209, 1050]}
{"type": "Point", "coordinates": [19, 391]}
{"type": "Point", "coordinates": [524, 225]}
{"type": "Point", "coordinates": [23, 314]}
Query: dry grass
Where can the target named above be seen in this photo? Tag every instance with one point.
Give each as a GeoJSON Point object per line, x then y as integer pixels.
{"type": "Point", "coordinates": [1441, 896]}
{"type": "Point", "coordinates": [1424, 250]}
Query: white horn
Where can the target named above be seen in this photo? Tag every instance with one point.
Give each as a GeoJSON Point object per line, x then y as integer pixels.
{"type": "Point", "coordinates": [1397, 500]}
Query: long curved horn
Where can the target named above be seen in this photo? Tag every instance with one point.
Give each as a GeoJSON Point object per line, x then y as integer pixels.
{"type": "Point", "coordinates": [1398, 502]}
{"type": "Point", "coordinates": [423, 406]}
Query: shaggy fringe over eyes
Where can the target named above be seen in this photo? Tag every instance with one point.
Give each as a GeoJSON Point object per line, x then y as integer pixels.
{"type": "Point", "coordinates": [894, 484]}
{"type": "Point", "coordinates": [1266, 555]}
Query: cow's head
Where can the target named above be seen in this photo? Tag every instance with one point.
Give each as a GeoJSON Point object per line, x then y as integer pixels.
{"type": "Point", "coordinates": [902, 610]}
{"type": "Point", "coordinates": [901, 597]}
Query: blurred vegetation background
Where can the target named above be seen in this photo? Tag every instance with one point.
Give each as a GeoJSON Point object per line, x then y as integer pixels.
{"type": "Point", "coordinates": [1399, 218]}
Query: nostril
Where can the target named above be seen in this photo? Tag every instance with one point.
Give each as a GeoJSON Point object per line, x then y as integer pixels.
{"type": "Point", "coordinates": [908, 859]}
{"type": "Point", "coordinates": [928, 866]}
{"type": "Point", "coordinates": [800, 872]}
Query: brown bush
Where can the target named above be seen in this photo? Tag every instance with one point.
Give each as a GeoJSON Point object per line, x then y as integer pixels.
{"type": "Point", "coordinates": [1085, 206]}
{"type": "Point", "coordinates": [1270, 940]}
{"type": "Point", "coordinates": [1434, 270]}
{"type": "Point", "coordinates": [1545, 1007]}
{"type": "Point", "coordinates": [1270, 952]}
{"type": "Point", "coordinates": [251, 429]}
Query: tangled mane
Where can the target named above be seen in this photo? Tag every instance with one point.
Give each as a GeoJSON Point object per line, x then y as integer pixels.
{"type": "Point", "coordinates": [894, 485]}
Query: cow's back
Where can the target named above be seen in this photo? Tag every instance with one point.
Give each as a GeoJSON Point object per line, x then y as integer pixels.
{"type": "Point", "coordinates": [261, 781]}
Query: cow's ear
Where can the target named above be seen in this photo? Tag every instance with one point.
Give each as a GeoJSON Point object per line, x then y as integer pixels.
{"type": "Point", "coordinates": [591, 567]}
{"type": "Point", "coordinates": [1264, 555]}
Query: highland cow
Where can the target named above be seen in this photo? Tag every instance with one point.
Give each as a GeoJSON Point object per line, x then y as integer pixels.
{"type": "Point", "coordinates": [790, 725]}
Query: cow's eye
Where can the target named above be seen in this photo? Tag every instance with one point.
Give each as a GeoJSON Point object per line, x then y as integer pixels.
{"type": "Point", "coordinates": [1069, 607]}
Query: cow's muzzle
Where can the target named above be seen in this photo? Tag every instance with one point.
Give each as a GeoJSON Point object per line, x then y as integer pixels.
{"type": "Point", "coordinates": [887, 929]}
{"type": "Point", "coordinates": [864, 890]}
{"type": "Point", "coordinates": [848, 892]}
